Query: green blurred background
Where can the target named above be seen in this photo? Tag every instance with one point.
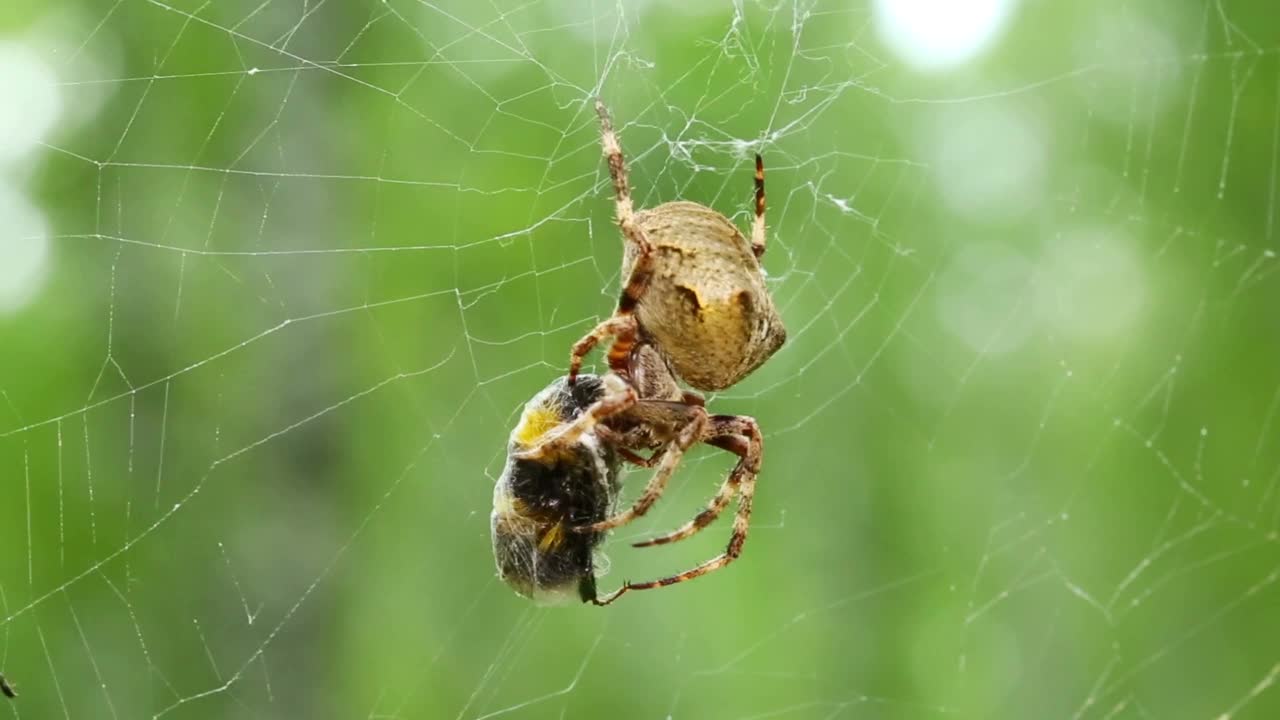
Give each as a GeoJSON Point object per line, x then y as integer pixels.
{"type": "Point", "coordinates": [277, 277]}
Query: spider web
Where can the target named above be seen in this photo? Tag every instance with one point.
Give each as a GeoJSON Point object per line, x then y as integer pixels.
{"type": "Point", "coordinates": [276, 278]}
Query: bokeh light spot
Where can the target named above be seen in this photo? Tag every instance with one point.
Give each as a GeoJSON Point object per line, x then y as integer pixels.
{"type": "Point", "coordinates": [29, 100]}
{"type": "Point", "coordinates": [939, 34]}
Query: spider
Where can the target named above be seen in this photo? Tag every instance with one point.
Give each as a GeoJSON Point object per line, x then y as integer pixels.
{"type": "Point", "coordinates": [553, 502]}
{"type": "Point", "coordinates": [694, 287]}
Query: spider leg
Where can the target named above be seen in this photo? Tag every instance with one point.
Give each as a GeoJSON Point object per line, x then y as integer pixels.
{"type": "Point", "coordinates": [623, 208]}
{"type": "Point", "coordinates": [640, 460]}
{"type": "Point", "coordinates": [617, 164]}
{"type": "Point", "coordinates": [621, 327]}
{"type": "Point", "coordinates": [619, 396]}
{"type": "Point", "coordinates": [735, 444]}
{"type": "Point", "coordinates": [614, 439]}
{"type": "Point", "coordinates": [689, 397]}
{"type": "Point", "coordinates": [720, 425]}
{"type": "Point", "coordinates": [689, 434]}
{"type": "Point", "coordinates": [757, 227]}
{"type": "Point", "coordinates": [623, 330]}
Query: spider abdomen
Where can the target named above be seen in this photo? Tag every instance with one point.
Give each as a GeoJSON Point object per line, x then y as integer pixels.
{"type": "Point", "coordinates": [707, 305]}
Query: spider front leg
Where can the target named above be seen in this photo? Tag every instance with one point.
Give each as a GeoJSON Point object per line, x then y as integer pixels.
{"type": "Point", "coordinates": [616, 440]}
{"type": "Point", "coordinates": [617, 163]}
{"type": "Point", "coordinates": [735, 444]}
{"type": "Point", "coordinates": [622, 326]}
{"type": "Point", "coordinates": [757, 226]}
{"type": "Point", "coordinates": [691, 431]}
{"type": "Point", "coordinates": [623, 210]}
{"type": "Point", "coordinates": [749, 466]}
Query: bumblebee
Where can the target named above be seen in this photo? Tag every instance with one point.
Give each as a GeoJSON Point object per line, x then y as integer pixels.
{"type": "Point", "coordinates": [559, 475]}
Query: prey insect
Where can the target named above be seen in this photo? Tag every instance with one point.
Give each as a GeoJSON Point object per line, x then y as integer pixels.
{"type": "Point", "coordinates": [558, 475]}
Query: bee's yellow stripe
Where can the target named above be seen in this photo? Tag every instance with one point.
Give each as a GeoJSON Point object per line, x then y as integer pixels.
{"type": "Point", "coordinates": [535, 423]}
{"type": "Point", "coordinates": [553, 538]}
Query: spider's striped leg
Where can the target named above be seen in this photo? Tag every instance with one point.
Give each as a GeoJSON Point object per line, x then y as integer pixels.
{"type": "Point", "coordinates": [735, 444]}
{"type": "Point", "coordinates": [614, 439]}
{"type": "Point", "coordinates": [624, 211]}
{"type": "Point", "coordinates": [689, 434]}
{"type": "Point", "coordinates": [720, 425]}
{"type": "Point", "coordinates": [617, 163]}
{"type": "Point", "coordinates": [642, 250]}
{"type": "Point", "coordinates": [757, 227]}
{"type": "Point", "coordinates": [622, 325]}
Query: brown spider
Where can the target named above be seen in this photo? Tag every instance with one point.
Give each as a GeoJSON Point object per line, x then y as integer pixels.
{"type": "Point", "coordinates": [552, 503]}
{"type": "Point", "coordinates": [693, 287]}
{"type": "Point", "coordinates": [694, 308]}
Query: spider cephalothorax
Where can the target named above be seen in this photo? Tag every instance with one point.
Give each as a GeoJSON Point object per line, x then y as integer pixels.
{"type": "Point", "coordinates": [694, 286]}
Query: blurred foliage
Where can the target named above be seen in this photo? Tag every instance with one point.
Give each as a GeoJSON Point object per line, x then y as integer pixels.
{"type": "Point", "coordinates": [309, 259]}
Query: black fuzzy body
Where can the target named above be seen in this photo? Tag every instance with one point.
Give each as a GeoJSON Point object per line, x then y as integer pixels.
{"type": "Point", "coordinates": [538, 501]}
